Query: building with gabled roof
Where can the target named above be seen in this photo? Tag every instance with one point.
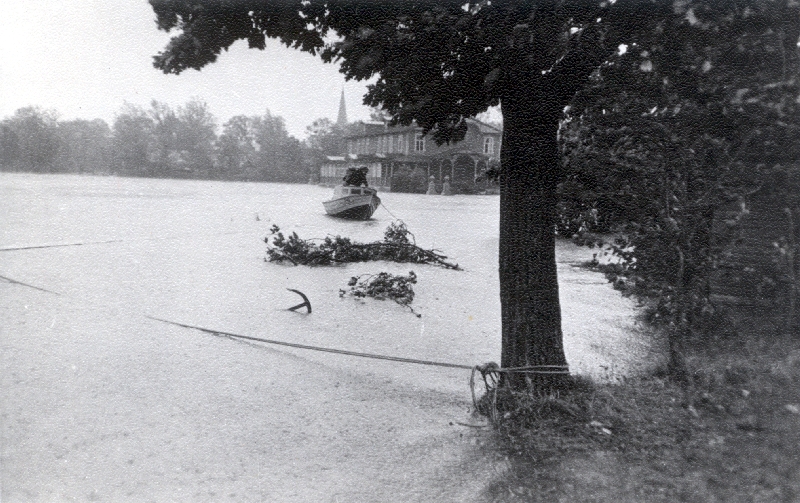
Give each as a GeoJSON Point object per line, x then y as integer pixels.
{"type": "Point", "coordinates": [401, 158]}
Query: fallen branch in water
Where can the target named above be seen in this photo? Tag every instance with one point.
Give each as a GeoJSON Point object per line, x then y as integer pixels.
{"type": "Point", "coordinates": [384, 286]}
{"type": "Point", "coordinates": [395, 247]}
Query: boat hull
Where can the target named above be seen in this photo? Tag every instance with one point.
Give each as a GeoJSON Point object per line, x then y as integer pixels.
{"type": "Point", "coordinates": [357, 207]}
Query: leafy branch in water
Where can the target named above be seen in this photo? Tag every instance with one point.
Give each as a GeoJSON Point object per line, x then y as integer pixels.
{"type": "Point", "coordinates": [383, 286]}
{"type": "Point", "coordinates": [398, 245]}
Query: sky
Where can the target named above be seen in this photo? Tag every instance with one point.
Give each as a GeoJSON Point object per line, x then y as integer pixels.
{"type": "Point", "coordinates": [86, 58]}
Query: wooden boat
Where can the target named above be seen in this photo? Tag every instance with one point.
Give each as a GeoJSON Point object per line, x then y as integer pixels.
{"type": "Point", "coordinates": [355, 203]}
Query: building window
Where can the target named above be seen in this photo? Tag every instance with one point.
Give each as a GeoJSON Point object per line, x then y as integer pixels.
{"type": "Point", "coordinates": [419, 143]}
{"type": "Point", "coordinates": [488, 145]}
{"type": "Point", "coordinates": [390, 139]}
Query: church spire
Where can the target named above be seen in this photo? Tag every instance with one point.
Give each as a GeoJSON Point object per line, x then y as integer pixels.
{"type": "Point", "coordinates": [342, 118]}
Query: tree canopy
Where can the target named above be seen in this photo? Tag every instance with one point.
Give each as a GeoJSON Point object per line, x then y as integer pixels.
{"type": "Point", "coordinates": [436, 62]}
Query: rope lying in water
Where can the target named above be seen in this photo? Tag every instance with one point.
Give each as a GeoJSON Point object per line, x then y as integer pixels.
{"type": "Point", "coordinates": [313, 348]}
{"type": "Point", "coordinates": [15, 282]}
{"type": "Point", "coordinates": [84, 243]}
{"type": "Point", "coordinates": [388, 211]}
{"type": "Point", "coordinates": [533, 369]}
{"type": "Point", "coordinates": [57, 245]}
{"type": "Point", "coordinates": [489, 372]}
{"type": "Point", "coordinates": [269, 341]}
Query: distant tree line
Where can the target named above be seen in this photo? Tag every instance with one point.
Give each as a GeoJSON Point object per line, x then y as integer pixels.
{"type": "Point", "coordinates": [163, 141]}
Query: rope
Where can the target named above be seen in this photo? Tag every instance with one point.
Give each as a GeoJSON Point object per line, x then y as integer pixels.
{"type": "Point", "coordinates": [313, 348]}
{"type": "Point", "coordinates": [490, 372]}
{"type": "Point", "coordinates": [269, 341]}
{"type": "Point", "coordinates": [390, 213]}
{"type": "Point", "coordinates": [15, 282]}
{"type": "Point", "coordinates": [57, 245]}
{"type": "Point", "coordinates": [84, 243]}
{"type": "Point", "coordinates": [534, 369]}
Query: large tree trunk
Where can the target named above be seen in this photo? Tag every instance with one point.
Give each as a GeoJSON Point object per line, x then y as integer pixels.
{"type": "Point", "coordinates": [531, 312]}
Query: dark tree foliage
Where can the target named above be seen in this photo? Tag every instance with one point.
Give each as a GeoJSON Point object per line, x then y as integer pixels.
{"type": "Point", "coordinates": [677, 130]}
{"type": "Point", "coordinates": [438, 62]}
{"type": "Point", "coordinates": [410, 179]}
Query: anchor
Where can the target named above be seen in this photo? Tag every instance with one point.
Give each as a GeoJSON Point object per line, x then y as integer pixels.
{"type": "Point", "coordinates": [306, 302]}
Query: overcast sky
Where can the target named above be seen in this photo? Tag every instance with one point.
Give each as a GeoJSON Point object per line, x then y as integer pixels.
{"type": "Point", "coordinates": [86, 58]}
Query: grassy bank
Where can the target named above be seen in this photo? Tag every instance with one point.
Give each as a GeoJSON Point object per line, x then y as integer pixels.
{"type": "Point", "coordinates": [731, 435]}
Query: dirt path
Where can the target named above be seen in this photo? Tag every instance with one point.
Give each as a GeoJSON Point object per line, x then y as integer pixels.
{"type": "Point", "coordinates": [104, 407]}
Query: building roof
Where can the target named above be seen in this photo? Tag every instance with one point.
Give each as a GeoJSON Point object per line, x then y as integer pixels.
{"type": "Point", "coordinates": [410, 157]}
{"type": "Point", "coordinates": [486, 128]}
{"type": "Point", "coordinates": [369, 129]}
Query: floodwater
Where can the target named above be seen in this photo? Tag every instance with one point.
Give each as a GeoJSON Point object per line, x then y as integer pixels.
{"type": "Point", "coordinates": [99, 401]}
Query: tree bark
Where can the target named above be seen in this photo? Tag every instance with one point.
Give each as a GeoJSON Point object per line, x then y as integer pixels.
{"type": "Point", "coordinates": [530, 308]}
